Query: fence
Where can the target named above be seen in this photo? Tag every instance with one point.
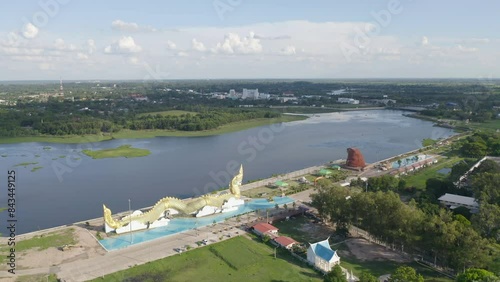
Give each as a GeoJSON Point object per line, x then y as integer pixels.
{"type": "Point", "coordinates": [418, 258]}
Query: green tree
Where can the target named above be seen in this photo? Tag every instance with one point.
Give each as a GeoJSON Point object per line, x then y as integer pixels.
{"type": "Point", "coordinates": [334, 204]}
{"type": "Point", "coordinates": [475, 149]}
{"type": "Point", "coordinates": [406, 274]}
{"type": "Point", "coordinates": [487, 221]}
{"type": "Point", "coordinates": [367, 277]}
{"type": "Point", "coordinates": [335, 275]}
{"type": "Point", "coordinates": [476, 275]}
{"type": "Point", "coordinates": [485, 187]}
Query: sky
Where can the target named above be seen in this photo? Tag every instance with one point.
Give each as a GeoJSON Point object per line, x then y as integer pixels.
{"type": "Point", "coordinates": [233, 39]}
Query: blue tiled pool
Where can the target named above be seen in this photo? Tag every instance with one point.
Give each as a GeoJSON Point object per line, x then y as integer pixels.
{"type": "Point", "coordinates": [410, 160]}
{"type": "Point", "coordinates": [178, 225]}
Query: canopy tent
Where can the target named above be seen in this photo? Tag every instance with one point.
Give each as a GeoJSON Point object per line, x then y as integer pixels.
{"type": "Point", "coordinates": [324, 172]}
{"type": "Point", "coordinates": [280, 183]}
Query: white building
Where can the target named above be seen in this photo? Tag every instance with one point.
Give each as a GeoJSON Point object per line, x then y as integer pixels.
{"type": "Point", "coordinates": [250, 94]}
{"type": "Point", "coordinates": [348, 101]}
{"type": "Point", "coordinates": [322, 256]}
{"type": "Point", "coordinates": [454, 201]}
{"type": "Point", "coordinates": [286, 99]}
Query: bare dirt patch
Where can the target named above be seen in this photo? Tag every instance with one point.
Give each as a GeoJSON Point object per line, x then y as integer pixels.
{"type": "Point", "coordinates": [85, 247]}
{"type": "Point", "coordinates": [366, 251]}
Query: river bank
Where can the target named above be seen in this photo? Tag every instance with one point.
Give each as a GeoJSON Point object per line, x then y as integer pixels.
{"type": "Point", "coordinates": [139, 134]}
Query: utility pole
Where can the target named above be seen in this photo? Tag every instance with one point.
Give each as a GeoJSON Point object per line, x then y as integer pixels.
{"type": "Point", "coordinates": [130, 221]}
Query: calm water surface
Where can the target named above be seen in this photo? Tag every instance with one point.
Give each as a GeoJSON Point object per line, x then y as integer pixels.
{"type": "Point", "coordinates": [72, 187]}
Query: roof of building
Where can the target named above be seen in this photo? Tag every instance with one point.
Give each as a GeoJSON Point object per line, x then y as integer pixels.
{"type": "Point", "coordinates": [452, 198]}
{"type": "Point", "coordinates": [264, 227]}
{"type": "Point", "coordinates": [284, 241]}
{"type": "Point", "coordinates": [323, 250]}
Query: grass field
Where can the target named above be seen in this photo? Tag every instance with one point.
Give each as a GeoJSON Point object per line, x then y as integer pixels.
{"type": "Point", "coordinates": [169, 113]}
{"type": "Point", "coordinates": [490, 125]}
{"type": "Point", "coordinates": [123, 151]}
{"type": "Point", "coordinates": [42, 242]}
{"type": "Point", "coordinates": [254, 261]}
{"type": "Point", "coordinates": [418, 180]}
{"type": "Point", "coordinates": [302, 230]}
{"type": "Point", "coordinates": [130, 134]}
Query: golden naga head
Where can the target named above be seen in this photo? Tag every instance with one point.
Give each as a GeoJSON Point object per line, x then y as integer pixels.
{"type": "Point", "coordinates": [234, 185]}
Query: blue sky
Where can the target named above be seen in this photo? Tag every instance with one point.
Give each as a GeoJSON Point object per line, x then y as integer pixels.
{"type": "Point", "coordinates": [79, 39]}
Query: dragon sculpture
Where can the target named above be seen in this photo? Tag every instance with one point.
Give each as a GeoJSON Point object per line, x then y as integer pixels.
{"type": "Point", "coordinates": [161, 208]}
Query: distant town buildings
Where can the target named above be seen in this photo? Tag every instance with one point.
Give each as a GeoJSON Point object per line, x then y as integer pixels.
{"type": "Point", "coordinates": [250, 94]}
{"type": "Point", "coordinates": [337, 92]}
{"type": "Point", "coordinates": [348, 101]}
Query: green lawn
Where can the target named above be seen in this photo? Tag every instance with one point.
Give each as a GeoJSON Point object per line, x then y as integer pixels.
{"type": "Point", "coordinates": [490, 125]}
{"type": "Point", "coordinates": [255, 262]}
{"type": "Point", "coordinates": [260, 191]}
{"type": "Point", "coordinates": [123, 151]}
{"type": "Point", "coordinates": [419, 179]}
{"type": "Point", "coordinates": [302, 230]}
{"type": "Point", "coordinates": [50, 240]}
{"type": "Point", "coordinates": [428, 142]}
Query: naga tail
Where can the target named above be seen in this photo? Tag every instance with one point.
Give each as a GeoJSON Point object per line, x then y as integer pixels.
{"type": "Point", "coordinates": [234, 185]}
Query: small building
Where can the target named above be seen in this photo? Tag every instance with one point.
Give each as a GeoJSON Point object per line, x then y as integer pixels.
{"type": "Point", "coordinates": [285, 242]}
{"type": "Point", "coordinates": [322, 256]}
{"type": "Point", "coordinates": [454, 201]}
{"type": "Point", "coordinates": [263, 229]}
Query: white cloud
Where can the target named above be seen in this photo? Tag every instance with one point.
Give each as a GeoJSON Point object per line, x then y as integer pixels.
{"type": "Point", "coordinates": [46, 66]}
{"type": "Point", "coordinates": [198, 46]}
{"type": "Point", "coordinates": [126, 44]}
{"type": "Point", "coordinates": [171, 45]}
{"type": "Point", "coordinates": [233, 44]}
{"type": "Point", "coordinates": [134, 60]}
{"type": "Point", "coordinates": [82, 56]}
{"type": "Point", "coordinates": [21, 51]}
{"type": "Point", "coordinates": [424, 41]}
{"type": "Point", "coordinates": [30, 31]}
{"type": "Point", "coordinates": [182, 54]}
{"type": "Point", "coordinates": [466, 49]}
{"type": "Point", "coordinates": [288, 50]}
{"type": "Point", "coordinates": [60, 45]}
{"type": "Point", "coordinates": [476, 40]}
{"type": "Point", "coordinates": [130, 26]}
{"type": "Point", "coordinates": [91, 46]}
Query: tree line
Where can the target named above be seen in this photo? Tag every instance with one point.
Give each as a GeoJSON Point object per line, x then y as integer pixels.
{"type": "Point", "coordinates": [30, 122]}
{"type": "Point", "coordinates": [448, 239]}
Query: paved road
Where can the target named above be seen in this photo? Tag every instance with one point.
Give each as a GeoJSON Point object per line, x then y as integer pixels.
{"type": "Point", "coordinates": [114, 261]}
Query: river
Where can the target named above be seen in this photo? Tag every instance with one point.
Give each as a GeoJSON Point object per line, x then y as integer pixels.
{"type": "Point", "coordinates": [71, 187]}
